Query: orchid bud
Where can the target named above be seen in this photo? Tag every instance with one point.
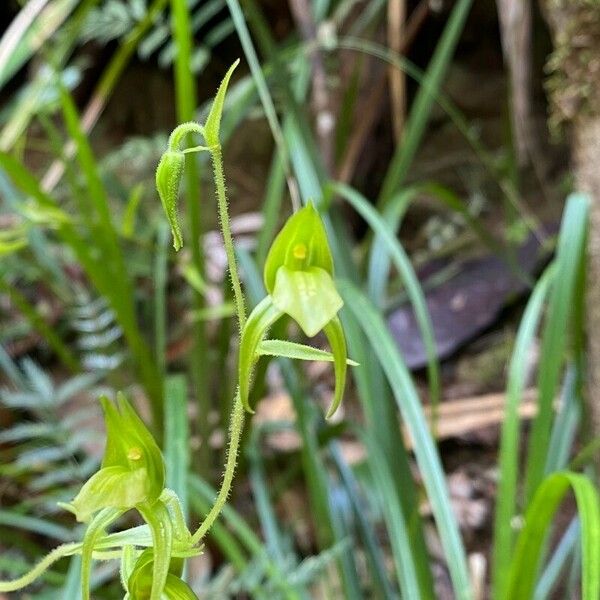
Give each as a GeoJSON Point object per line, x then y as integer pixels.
{"type": "Point", "coordinates": [168, 177]}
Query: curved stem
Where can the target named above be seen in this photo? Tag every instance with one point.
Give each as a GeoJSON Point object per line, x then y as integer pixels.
{"type": "Point", "coordinates": [237, 413]}
{"type": "Point", "coordinates": [235, 433]}
{"type": "Point", "coordinates": [181, 131]}
{"type": "Point", "coordinates": [41, 567]}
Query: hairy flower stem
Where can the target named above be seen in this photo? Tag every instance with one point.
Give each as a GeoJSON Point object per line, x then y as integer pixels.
{"type": "Point", "coordinates": [237, 414]}
{"type": "Point", "coordinates": [40, 568]}
{"type": "Point", "coordinates": [240, 305]}
{"type": "Point", "coordinates": [235, 433]}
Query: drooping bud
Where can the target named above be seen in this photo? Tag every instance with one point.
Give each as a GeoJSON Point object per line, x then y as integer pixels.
{"type": "Point", "coordinates": [168, 178]}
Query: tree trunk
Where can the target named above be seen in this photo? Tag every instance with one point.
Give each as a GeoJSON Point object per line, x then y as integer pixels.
{"type": "Point", "coordinates": [586, 155]}
{"type": "Point", "coordinates": [574, 93]}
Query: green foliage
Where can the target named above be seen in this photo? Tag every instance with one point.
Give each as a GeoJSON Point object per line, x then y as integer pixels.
{"type": "Point", "coordinates": [366, 514]}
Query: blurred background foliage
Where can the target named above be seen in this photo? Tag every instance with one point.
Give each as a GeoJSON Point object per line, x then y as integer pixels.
{"type": "Point", "coordinates": [435, 137]}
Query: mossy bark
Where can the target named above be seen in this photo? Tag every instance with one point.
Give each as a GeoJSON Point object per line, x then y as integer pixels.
{"type": "Point", "coordinates": [574, 93]}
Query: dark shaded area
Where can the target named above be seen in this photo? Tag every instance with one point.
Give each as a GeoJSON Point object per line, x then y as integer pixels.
{"type": "Point", "coordinates": [466, 304]}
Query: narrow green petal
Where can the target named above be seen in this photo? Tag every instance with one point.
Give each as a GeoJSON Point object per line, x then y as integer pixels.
{"type": "Point", "coordinates": [261, 318]}
{"type": "Point", "coordinates": [296, 351]}
{"type": "Point", "coordinates": [213, 121]}
{"type": "Point", "coordinates": [335, 335]}
{"type": "Point", "coordinates": [309, 297]}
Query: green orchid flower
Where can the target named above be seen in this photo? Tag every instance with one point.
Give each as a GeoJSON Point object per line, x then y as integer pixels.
{"type": "Point", "coordinates": [132, 470]}
{"type": "Point", "coordinates": [298, 275]}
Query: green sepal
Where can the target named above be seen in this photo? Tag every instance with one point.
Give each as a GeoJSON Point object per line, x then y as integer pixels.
{"type": "Point", "coordinates": [304, 229]}
{"type": "Point", "coordinates": [335, 336]}
{"type": "Point", "coordinates": [93, 533]}
{"type": "Point", "coordinates": [161, 527]}
{"type": "Point", "coordinates": [110, 487]}
{"type": "Point", "coordinates": [308, 296]}
{"type": "Point", "coordinates": [213, 121]}
{"type": "Point", "coordinates": [296, 351]}
{"type": "Point", "coordinates": [168, 177]}
{"type": "Point", "coordinates": [260, 320]}
{"type": "Point", "coordinates": [132, 470]}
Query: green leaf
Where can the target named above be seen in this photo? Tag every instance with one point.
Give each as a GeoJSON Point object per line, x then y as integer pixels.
{"type": "Point", "coordinates": [261, 318]}
{"type": "Point", "coordinates": [426, 453]}
{"type": "Point", "coordinates": [308, 296]}
{"type": "Point", "coordinates": [569, 256]}
{"type": "Point", "coordinates": [335, 335]}
{"type": "Point", "coordinates": [176, 444]}
{"type": "Point", "coordinates": [168, 177]}
{"type": "Point", "coordinates": [508, 462]}
{"type": "Point", "coordinates": [301, 243]}
{"type": "Point", "coordinates": [538, 520]}
{"type": "Point", "coordinates": [213, 121]}
{"type": "Point", "coordinates": [297, 351]}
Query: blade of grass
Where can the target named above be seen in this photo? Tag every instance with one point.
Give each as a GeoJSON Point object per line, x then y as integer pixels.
{"type": "Point", "coordinates": [201, 491]}
{"type": "Point", "coordinates": [557, 563]}
{"type": "Point", "coordinates": [506, 498]}
{"type": "Point", "coordinates": [241, 28]}
{"type": "Point", "coordinates": [185, 94]}
{"type": "Point", "coordinates": [35, 525]}
{"type": "Point", "coordinates": [271, 207]}
{"type": "Point", "coordinates": [379, 579]}
{"type": "Point", "coordinates": [382, 424]}
{"type": "Point", "coordinates": [458, 119]}
{"type": "Point", "coordinates": [309, 173]}
{"type": "Point", "coordinates": [106, 235]}
{"type": "Point", "coordinates": [106, 84]}
{"type": "Point", "coordinates": [264, 508]}
{"type": "Point", "coordinates": [565, 426]}
{"type": "Point", "coordinates": [423, 103]}
{"type": "Point", "coordinates": [425, 451]}
{"type": "Point", "coordinates": [176, 446]}
{"type": "Point", "coordinates": [72, 586]}
{"type": "Point", "coordinates": [401, 261]}
{"type": "Point", "coordinates": [547, 498]}
{"type": "Point", "coordinates": [404, 559]}
{"type": "Point", "coordinates": [570, 253]}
